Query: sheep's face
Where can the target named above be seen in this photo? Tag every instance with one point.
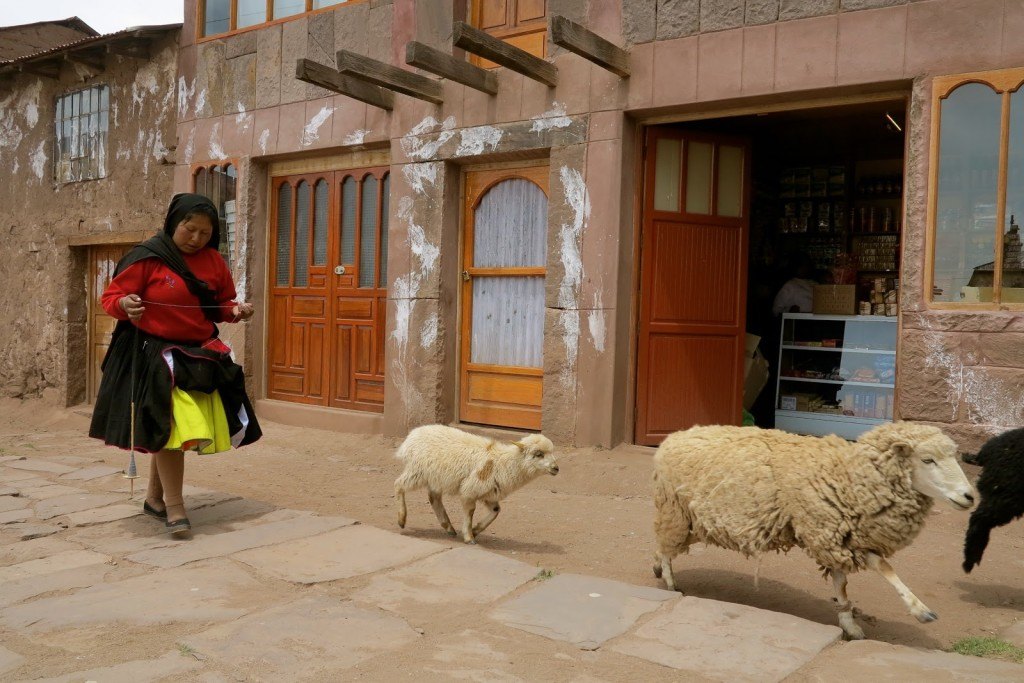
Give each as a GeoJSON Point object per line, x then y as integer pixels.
{"type": "Point", "coordinates": [537, 458]}
{"type": "Point", "coordinates": [937, 473]}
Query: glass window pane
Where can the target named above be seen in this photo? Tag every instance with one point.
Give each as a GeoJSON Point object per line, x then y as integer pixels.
{"type": "Point", "coordinates": [730, 180]}
{"type": "Point", "coordinates": [319, 4]}
{"type": "Point", "coordinates": [698, 177]}
{"type": "Point", "coordinates": [60, 109]}
{"type": "Point", "coordinates": [284, 233]}
{"type": "Point", "coordinates": [368, 234]}
{"type": "Point", "coordinates": [966, 208]}
{"type": "Point", "coordinates": [251, 12]}
{"type": "Point", "coordinates": [320, 224]}
{"type": "Point", "coordinates": [1013, 265]}
{"type": "Point", "coordinates": [348, 221]}
{"type": "Point", "coordinates": [508, 321]}
{"type": "Point", "coordinates": [666, 175]}
{"type": "Point", "coordinates": [301, 255]}
{"type": "Point", "coordinates": [286, 8]}
{"type": "Point", "coordinates": [218, 15]}
{"type": "Point", "coordinates": [510, 226]}
{"type": "Point", "coordinates": [383, 281]}
{"type": "Point", "coordinates": [227, 241]}
{"type": "Point", "coordinates": [200, 183]}
{"type": "Point", "coordinates": [105, 98]}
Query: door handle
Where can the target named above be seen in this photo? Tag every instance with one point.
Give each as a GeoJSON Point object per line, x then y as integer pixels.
{"type": "Point", "coordinates": [465, 276]}
{"type": "Point", "coordinates": [339, 270]}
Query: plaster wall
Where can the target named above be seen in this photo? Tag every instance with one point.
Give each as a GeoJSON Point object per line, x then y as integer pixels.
{"type": "Point", "coordinates": [43, 293]}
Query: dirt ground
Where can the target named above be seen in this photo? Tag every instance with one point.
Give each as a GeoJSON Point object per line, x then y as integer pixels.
{"type": "Point", "coordinates": [595, 518]}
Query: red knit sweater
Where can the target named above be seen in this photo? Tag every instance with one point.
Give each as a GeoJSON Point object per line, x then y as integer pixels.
{"type": "Point", "coordinates": [172, 312]}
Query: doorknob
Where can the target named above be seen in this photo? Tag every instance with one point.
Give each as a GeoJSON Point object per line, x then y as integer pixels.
{"type": "Point", "coordinates": [339, 270]}
{"type": "Point", "coordinates": [465, 276]}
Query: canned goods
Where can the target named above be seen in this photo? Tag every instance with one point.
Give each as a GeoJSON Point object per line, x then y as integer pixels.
{"type": "Point", "coordinates": [878, 309]}
{"type": "Point", "coordinates": [892, 309]}
{"type": "Point", "coordinates": [865, 308]}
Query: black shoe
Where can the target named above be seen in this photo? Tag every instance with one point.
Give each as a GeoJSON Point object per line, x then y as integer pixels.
{"type": "Point", "coordinates": [153, 512]}
{"type": "Point", "coordinates": [178, 526]}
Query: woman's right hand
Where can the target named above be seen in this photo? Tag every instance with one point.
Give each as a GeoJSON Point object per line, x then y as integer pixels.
{"type": "Point", "coordinates": [132, 305]}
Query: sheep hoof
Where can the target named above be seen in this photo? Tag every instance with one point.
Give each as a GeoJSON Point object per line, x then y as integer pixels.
{"type": "Point", "coordinates": [925, 617]}
{"type": "Point", "coordinates": [854, 634]}
{"type": "Point", "coordinates": [451, 532]}
{"type": "Point", "coordinates": [472, 541]}
{"type": "Point", "coordinates": [657, 571]}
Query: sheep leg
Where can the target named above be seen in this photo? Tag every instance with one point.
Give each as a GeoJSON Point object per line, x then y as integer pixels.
{"type": "Point", "coordinates": [917, 608]}
{"type": "Point", "coordinates": [468, 507]}
{"type": "Point", "coordinates": [491, 516]}
{"type": "Point", "coordinates": [442, 514]}
{"type": "Point", "coordinates": [985, 517]}
{"type": "Point", "coordinates": [845, 607]}
{"type": "Point", "coordinates": [663, 569]}
{"type": "Point", "coordinates": [402, 511]}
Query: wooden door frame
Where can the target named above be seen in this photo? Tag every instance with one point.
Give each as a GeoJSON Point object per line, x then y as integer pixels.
{"type": "Point", "coordinates": [493, 174]}
{"type": "Point", "coordinates": [648, 137]}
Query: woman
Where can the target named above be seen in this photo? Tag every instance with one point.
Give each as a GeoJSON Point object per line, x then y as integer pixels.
{"type": "Point", "coordinates": [165, 357]}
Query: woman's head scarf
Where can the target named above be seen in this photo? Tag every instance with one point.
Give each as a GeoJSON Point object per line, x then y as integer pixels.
{"type": "Point", "coordinates": [185, 203]}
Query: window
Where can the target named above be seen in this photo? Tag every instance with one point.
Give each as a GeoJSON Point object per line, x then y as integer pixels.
{"type": "Point", "coordinates": [977, 190]}
{"type": "Point", "coordinates": [521, 23]}
{"type": "Point", "coordinates": [224, 16]}
{"type": "Point", "coordinates": [219, 183]}
{"type": "Point", "coordinates": [80, 143]}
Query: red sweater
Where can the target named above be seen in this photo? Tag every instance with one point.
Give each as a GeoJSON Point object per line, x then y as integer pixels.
{"type": "Point", "coordinates": [172, 312]}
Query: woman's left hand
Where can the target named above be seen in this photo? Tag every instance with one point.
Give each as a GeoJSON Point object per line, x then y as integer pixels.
{"type": "Point", "coordinates": [243, 311]}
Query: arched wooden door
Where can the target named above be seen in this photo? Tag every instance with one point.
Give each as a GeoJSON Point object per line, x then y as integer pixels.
{"type": "Point", "coordinates": [328, 288]}
{"type": "Point", "coordinates": [693, 283]}
{"type": "Point", "coordinates": [504, 264]}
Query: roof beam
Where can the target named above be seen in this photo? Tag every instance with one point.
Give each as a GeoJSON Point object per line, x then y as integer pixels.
{"type": "Point", "coordinates": [136, 49]}
{"type": "Point", "coordinates": [49, 68]}
{"type": "Point", "coordinates": [479, 43]}
{"type": "Point", "coordinates": [89, 58]}
{"type": "Point", "coordinates": [326, 77]}
{"type": "Point", "coordinates": [589, 45]}
{"type": "Point", "coordinates": [388, 76]}
{"type": "Point", "coordinates": [442, 64]}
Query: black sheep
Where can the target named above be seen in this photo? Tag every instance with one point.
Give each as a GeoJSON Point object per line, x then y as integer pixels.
{"type": "Point", "coordinates": [1001, 486]}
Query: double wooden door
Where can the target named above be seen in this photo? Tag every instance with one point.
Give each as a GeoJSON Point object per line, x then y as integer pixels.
{"type": "Point", "coordinates": [102, 259]}
{"type": "Point", "coordinates": [693, 281]}
{"type": "Point", "coordinates": [328, 288]}
{"type": "Point", "coordinates": [504, 264]}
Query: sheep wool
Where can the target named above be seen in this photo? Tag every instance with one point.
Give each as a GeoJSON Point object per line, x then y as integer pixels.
{"type": "Point", "coordinates": [1001, 486]}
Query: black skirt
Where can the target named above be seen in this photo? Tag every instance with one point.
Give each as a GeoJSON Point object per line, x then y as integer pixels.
{"type": "Point", "coordinates": [150, 384]}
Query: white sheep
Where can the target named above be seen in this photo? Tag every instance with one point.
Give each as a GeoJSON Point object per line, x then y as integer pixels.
{"type": "Point", "coordinates": [848, 505]}
{"type": "Point", "coordinates": [450, 461]}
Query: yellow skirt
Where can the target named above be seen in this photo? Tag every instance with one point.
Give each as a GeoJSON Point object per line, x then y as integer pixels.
{"type": "Point", "coordinates": [198, 422]}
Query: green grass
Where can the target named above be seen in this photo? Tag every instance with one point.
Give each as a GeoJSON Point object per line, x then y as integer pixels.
{"type": "Point", "coordinates": [544, 574]}
{"type": "Point", "coordinates": [989, 648]}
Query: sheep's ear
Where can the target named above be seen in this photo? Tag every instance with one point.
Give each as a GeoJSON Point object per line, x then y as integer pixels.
{"type": "Point", "coordinates": [902, 449]}
{"type": "Point", "coordinates": [521, 445]}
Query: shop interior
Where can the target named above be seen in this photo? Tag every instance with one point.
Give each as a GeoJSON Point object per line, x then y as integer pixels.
{"type": "Point", "coordinates": [826, 206]}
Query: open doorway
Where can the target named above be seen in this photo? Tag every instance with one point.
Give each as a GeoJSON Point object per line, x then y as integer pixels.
{"type": "Point", "coordinates": [823, 226]}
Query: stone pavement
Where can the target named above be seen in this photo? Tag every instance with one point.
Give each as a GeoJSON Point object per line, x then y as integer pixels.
{"type": "Point", "coordinates": [91, 590]}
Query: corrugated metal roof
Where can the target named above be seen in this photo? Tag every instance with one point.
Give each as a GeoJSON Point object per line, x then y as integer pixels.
{"type": "Point", "coordinates": [27, 39]}
{"type": "Point", "coordinates": [92, 41]}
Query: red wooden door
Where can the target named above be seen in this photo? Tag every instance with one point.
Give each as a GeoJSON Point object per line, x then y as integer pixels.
{"type": "Point", "coordinates": [693, 281]}
{"type": "Point", "coordinates": [328, 288]}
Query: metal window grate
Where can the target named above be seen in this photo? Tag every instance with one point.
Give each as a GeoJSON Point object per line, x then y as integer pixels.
{"type": "Point", "coordinates": [80, 142]}
{"type": "Point", "coordinates": [348, 221]}
{"type": "Point", "coordinates": [368, 234]}
{"type": "Point", "coordinates": [320, 224]}
{"type": "Point", "coordinates": [383, 282]}
{"type": "Point", "coordinates": [302, 236]}
{"type": "Point", "coordinates": [284, 234]}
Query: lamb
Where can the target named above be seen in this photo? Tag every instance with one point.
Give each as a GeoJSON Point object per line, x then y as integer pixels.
{"type": "Point", "coordinates": [848, 505]}
{"type": "Point", "coordinates": [450, 461]}
{"type": "Point", "coordinates": [1001, 486]}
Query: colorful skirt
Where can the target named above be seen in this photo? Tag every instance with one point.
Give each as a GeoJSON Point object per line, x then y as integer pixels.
{"type": "Point", "coordinates": [198, 422]}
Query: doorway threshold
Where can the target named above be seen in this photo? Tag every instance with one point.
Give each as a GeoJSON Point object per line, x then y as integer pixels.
{"type": "Point", "coordinates": [320, 417]}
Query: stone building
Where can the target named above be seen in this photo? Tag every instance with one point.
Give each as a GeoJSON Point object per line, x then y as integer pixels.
{"type": "Point", "coordinates": [87, 137]}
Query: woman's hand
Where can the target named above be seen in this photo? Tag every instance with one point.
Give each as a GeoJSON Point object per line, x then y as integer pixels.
{"type": "Point", "coordinates": [132, 305]}
{"type": "Point", "coordinates": [242, 311]}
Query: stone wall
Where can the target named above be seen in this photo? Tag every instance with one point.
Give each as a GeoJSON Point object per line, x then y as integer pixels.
{"type": "Point", "coordinates": [43, 297]}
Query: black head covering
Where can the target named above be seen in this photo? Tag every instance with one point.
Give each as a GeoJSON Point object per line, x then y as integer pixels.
{"type": "Point", "coordinates": [184, 203]}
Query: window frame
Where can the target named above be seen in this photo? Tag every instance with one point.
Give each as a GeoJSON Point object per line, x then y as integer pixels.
{"type": "Point", "coordinates": [200, 27]}
{"type": "Point", "coordinates": [221, 166]}
{"type": "Point", "coordinates": [57, 155]}
{"type": "Point", "coordinates": [1004, 83]}
{"type": "Point", "coordinates": [509, 32]}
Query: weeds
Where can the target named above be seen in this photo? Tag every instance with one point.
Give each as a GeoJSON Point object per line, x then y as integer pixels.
{"type": "Point", "coordinates": [544, 574]}
{"type": "Point", "coordinates": [989, 647]}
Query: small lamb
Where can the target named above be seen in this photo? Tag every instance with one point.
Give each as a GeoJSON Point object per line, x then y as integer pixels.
{"type": "Point", "coordinates": [1002, 491]}
{"type": "Point", "coordinates": [449, 460]}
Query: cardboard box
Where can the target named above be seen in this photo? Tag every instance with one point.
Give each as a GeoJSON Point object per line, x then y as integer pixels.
{"type": "Point", "coordinates": [835, 299]}
{"type": "Point", "coordinates": [755, 371]}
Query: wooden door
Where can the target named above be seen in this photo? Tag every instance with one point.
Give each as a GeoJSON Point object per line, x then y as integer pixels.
{"type": "Point", "coordinates": [693, 281]}
{"type": "Point", "coordinates": [520, 23]}
{"type": "Point", "coordinates": [328, 288]}
{"type": "Point", "coordinates": [504, 263]}
{"type": "Point", "coordinates": [101, 259]}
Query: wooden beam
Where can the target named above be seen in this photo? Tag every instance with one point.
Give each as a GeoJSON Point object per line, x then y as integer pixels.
{"type": "Point", "coordinates": [136, 49]}
{"type": "Point", "coordinates": [390, 77]}
{"type": "Point", "coordinates": [442, 64]}
{"type": "Point", "coordinates": [49, 68]}
{"type": "Point", "coordinates": [589, 45]}
{"type": "Point", "coordinates": [88, 58]}
{"type": "Point", "coordinates": [487, 46]}
{"type": "Point", "coordinates": [326, 77]}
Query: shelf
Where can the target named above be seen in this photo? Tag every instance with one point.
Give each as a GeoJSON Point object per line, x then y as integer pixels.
{"type": "Point", "coordinates": [878, 385]}
{"type": "Point", "coordinates": [797, 347]}
{"type": "Point", "coordinates": [832, 416]}
{"type": "Point", "coordinates": [844, 318]}
{"type": "Point", "coordinates": [825, 424]}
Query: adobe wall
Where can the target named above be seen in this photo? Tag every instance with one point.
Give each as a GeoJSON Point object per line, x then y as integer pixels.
{"type": "Point", "coordinates": [43, 297]}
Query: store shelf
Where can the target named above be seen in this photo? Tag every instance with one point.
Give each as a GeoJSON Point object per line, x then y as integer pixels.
{"type": "Point", "coordinates": [824, 424]}
{"type": "Point", "coordinates": [879, 385]}
{"type": "Point", "coordinates": [798, 347]}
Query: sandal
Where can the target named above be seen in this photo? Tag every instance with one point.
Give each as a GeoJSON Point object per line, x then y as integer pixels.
{"type": "Point", "coordinates": [153, 512]}
{"type": "Point", "coordinates": [178, 526]}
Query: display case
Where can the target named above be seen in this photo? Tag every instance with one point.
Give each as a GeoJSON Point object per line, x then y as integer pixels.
{"type": "Point", "coordinates": [837, 373]}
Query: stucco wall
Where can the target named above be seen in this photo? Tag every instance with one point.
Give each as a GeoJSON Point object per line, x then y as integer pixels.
{"type": "Point", "coordinates": [42, 300]}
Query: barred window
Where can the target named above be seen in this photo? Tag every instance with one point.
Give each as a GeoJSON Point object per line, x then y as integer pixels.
{"type": "Point", "coordinates": [80, 144]}
{"type": "Point", "coordinates": [218, 183]}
